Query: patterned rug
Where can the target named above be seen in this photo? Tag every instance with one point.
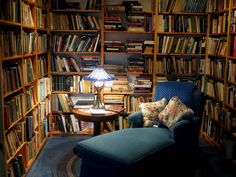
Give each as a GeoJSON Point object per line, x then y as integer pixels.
{"type": "Point", "coordinates": [68, 166]}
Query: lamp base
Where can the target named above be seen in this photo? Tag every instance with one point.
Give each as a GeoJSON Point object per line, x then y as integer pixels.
{"type": "Point", "coordinates": [98, 104]}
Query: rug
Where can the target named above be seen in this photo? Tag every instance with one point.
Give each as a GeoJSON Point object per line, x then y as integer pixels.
{"type": "Point", "coordinates": [68, 166]}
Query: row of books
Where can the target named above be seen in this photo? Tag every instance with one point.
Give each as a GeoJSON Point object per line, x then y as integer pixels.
{"type": "Point", "coordinates": [13, 77]}
{"type": "Point", "coordinates": [217, 46]}
{"type": "Point", "coordinates": [181, 45]}
{"type": "Point", "coordinates": [17, 167]}
{"type": "Point", "coordinates": [42, 43]}
{"type": "Point", "coordinates": [73, 43]}
{"type": "Point", "coordinates": [217, 6]}
{"type": "Point", "coordinates": [10, 43]}
{"type": "Point", "coordinates": [44, 88]}
{"type": "Point", "coordinates": [212, 88]}
{"type": "Point", "coordinates": [41, 18]}
{"type": "Point", "coordinates": [65, 123]}
{"type": "Point", "coordinates": [44, 127]}
{"type": "Point", "coordinates": [131, 103]}
{"type": "Point", "coordinates": [41, 3]}
{"type": "Point", "coordinates": [29, 42]}
{"type": "Point", "coordinates": [10, 10]}
{"type": "Point", "coordinates": [181, 23]}
{"type": "Point", "coordinates": [231, 76]}
{"type": "Point", "coordinates": [82, 64]}
{"type": "Point", "coordinates": [140, 64]}
{"type": "Point", "coordinates": [28, 70]}
{"type": "Point", "coordinates": [61, 103]}
{"type": "Point", "coordinates": [31, 99]}
{"type": "Point", "coordinates": [42, 65]}
{"type": "Point", "coordinates": [13, 110]}
{"type": "Point", "coordinates": [141, 84]}
{"type": "Point", "coordinates": [219, 24]}
{"type": "Point", "coordinates": [140, 22]}
{"type": "Point", "coordinates": [73, 22]}
{"type": "Point", "coordinates": [180, 65]}
{"type": "Point", "coordinates": [27, 14]}
{"type": "Point", "coordinates": [135, 46]}
{"type": "Point", "coordinates": [215, 117]}
{"type": "Point", "coordinates": [182, 6]}
{"type": "Point", "coordinates": [231, 96]}
{"type": "Point", "coordinates": [71, 83]}
{"type": "Point", "coordinates": [13, 141]}
{"type": "Point", "coordinates": [217, 68]}
{"type": "Point", "coordinates": [44, 109]}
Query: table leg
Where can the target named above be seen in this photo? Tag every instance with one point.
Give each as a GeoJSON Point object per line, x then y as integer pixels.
{"type": "Point", "coordinates": [97, 128]}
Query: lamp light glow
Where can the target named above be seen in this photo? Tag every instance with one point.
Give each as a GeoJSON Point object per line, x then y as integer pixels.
{"type": "Point", "coordinates": [98, 76]}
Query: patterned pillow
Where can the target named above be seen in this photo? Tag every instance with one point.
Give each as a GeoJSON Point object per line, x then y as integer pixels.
{"type": "Point", "coordinates": [151, 110]}
{"type": "Point", "coordinates": [174, 111]}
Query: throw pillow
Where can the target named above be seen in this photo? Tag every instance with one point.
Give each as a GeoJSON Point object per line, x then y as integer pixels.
{"type": "Point", "coordinates": [174, 111]}
{"type": "Point", "coordinates": [151, 110]}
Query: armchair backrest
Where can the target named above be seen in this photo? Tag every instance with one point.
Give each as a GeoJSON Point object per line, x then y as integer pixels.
{"type": "Point", "coordinates": [186, 91]}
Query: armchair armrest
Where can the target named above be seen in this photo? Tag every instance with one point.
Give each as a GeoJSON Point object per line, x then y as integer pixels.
{"type": "Point", "coordinates": [136, 119]}
{"type": "Point", "coordinates": [186, 134]}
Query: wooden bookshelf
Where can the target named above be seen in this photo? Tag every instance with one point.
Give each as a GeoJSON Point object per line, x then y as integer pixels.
{"type": "Point", "coordinates": [15, 32]}
{"type": "Point", "coordinates": [218, 126]}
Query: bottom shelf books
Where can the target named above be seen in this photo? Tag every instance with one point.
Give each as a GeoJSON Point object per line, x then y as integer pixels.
{"type": "Point", "coordinates": [67, 123]}
{"type": "Point", "coordinates": [16, 167]}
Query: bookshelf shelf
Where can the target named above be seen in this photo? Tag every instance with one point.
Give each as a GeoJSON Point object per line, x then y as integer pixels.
{"type": "Point", "coordinates": [17, 151]}
{"type": "Point", "coordinates": [10, 23]}
{"type": "Point", "coordinates": [12, 58]}
{"type": "Point", "coordinates": [11, 93]}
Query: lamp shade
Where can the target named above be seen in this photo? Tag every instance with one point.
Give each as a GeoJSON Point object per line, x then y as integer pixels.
{"type": "Point", "coordinates": [99, 74]}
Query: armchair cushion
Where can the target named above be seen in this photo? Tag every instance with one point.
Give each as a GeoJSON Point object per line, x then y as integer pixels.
{"type": "Point", "coordinates": [175, 111]}
{"type": "Point", "coordinates": [151, 111]}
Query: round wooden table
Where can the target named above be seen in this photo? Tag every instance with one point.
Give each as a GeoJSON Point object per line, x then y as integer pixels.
{"type": "Point", "coordinates": [97, 117]}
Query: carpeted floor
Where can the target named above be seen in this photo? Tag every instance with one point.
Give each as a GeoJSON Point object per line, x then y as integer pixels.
{"type": "Point", "coordinates": [57, 148]}
{"type": "Point", "coordinates": [54, 150]}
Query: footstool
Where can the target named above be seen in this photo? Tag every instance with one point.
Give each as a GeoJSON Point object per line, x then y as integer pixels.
{"type": "Point", "coordinates": [133, 152]}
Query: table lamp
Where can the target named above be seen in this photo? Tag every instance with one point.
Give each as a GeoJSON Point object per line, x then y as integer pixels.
{"type": "Point", "coordinates": [98, 76]}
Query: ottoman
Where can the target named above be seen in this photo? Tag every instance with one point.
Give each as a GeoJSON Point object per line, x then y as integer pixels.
{"type": "Point", "coordinates": [133, 152]}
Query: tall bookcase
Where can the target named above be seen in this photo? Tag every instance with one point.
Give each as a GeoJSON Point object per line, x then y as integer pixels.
{"type": "Point", "coordinates": [219, 121]}
{"type": "Point", "coordinates": [25, 85]}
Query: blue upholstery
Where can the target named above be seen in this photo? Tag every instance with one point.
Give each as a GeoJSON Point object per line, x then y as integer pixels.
{"type": "Point", "coordinates": [125, 152]}
{"type": "Point", "coordinates": [184, 90]}
{"type": "Point", "coordinates": [137, 151]}
{"type": "Point", "coordinates": [186, 132]}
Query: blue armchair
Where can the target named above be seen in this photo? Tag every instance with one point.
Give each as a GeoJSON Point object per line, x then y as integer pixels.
{"type": "Point", "coordinates": [152, 152]}
{"type": "Point", "coordinates": [185, 133]}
